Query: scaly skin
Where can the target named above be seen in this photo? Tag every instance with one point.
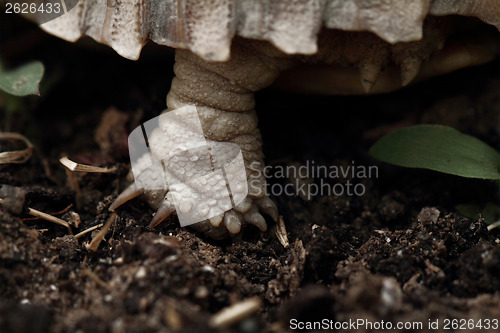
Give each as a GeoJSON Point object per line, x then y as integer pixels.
{"type": "Point", "coordinates": [223, 95]}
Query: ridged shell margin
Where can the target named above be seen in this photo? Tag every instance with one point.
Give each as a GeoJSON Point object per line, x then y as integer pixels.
{"type": "Point", "coordinates": [206, 27]}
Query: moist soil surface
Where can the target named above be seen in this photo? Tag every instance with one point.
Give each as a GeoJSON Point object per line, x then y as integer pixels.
{"type": "Point", "coordinates": [398, 253]}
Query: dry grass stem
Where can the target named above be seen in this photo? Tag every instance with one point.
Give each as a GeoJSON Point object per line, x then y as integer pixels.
{"type": "Point", "coordinates": [234, 313]}
{"type": "Point", "coordinates": [55, 213]}
{"type": "Point", "coordinates": [75, 186]}
{"type": "Point", "coordinates": [50, 218]}
{"type": "Point", "coordinates": [17, 156]}
{"type": "Point", "coordinates": [94, 244]}
{"type": "Point", "coordinates": [84, 232]}
{"type": "Point", "coordinates": [280, 231]}
{"type": "Point", "coordinates": [72, 167]}
{"type": "Point", "coordinates": [78, 167]}
{"type": "Point", "coordinates": [172, 317]}
{"type": "Point", "coordinates": [94, 278]}
{"type": "Point", "coordinates": [493, 225]}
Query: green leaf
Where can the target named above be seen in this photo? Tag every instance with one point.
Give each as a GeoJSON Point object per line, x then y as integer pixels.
{"type": "Point", "coordinates": [438, 148]}
{"type": "Point", "coordinates": [23, 80]}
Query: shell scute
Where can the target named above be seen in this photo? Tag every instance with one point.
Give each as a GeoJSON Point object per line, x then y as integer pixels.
{"type": "Point", "coordinates": [207, 27]}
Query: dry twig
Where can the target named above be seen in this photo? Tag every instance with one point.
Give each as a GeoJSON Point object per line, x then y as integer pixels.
{"type": "Point", "coordinates": [78, 167]}
{"type": "Point", "coordinates": [84, 232]}
{"type": "Point", "coordinates": [493, 225]}
{"type": "Point", "coordinates": [280, 231]}
{"type": "Point", "coordinates": [72, 167]}
{"type": "Point", "coordinates": [55, 213]}
{"type": "Point", "coordinates": [94, 278]}
{"type": "Point", "coordinates": [94, 244]}
{"type": "Point", "coordinates": [50, 218]}
{"type": "Point", "coordinates": [234, 313]}
{"type": "Point", "coordinates": [16, 156]}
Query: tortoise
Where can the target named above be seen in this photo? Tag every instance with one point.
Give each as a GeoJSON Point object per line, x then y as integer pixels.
{"type": "Point", "coordinates": [225, 50]}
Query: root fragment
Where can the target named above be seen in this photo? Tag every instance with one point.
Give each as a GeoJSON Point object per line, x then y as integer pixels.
{"type": "Point", "coordinates": [50, 218]}
{"type": "Point", "coordinates": [94, 244]}
{"type": "Point", "coordinates": [16, 156]}
{"type": "Point", "coordinates": [235, 313]}
{"type": "Point", "coordinates": [84, 232]}
{"type": "Point", "coordinates": [73, 166]}
{"type": "Point", "coordinates": [95, 278]}
{"type": "Point", "coordinates": [280, 231]}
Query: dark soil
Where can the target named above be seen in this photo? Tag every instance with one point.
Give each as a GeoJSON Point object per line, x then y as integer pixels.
{"type": "Point", "coordinates": [399, 253]}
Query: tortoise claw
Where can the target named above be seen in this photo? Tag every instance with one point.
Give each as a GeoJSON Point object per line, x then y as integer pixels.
{"type": "Point", "coordinates": [268, 207]}
{"type": "Point", "coordinates": [232, 221]}
{"type": "Point", "coordinates": [129, 193]}
{"type": "Point", "coordinates": [254, 217]}
{"type": "Point", "coordinates": [165, 210]}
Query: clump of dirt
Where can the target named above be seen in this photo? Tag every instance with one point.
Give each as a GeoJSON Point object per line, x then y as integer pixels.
{"type": "Point", "coordinates": [399, 253]}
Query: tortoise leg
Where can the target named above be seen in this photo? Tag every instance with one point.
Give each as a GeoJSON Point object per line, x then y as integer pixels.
{"type": "Point", "coordinates": [222, 93]}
